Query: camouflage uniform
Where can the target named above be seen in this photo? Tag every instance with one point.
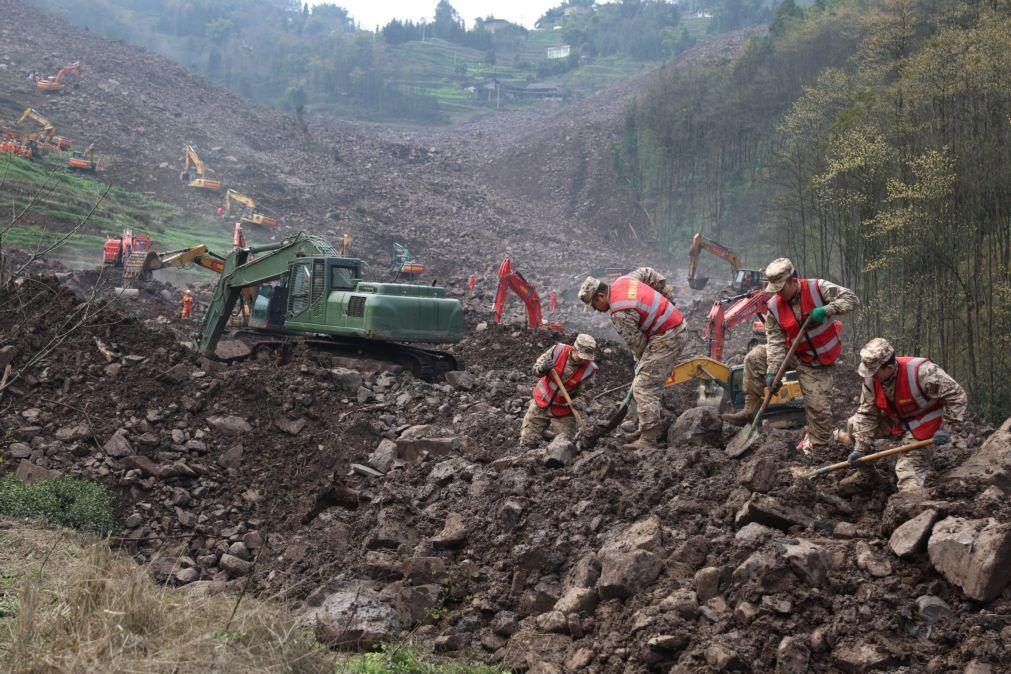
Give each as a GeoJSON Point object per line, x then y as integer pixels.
{"type": "Point", "coordinates": [869, 421]}
{"type": "Point", "coordinates": [815, 378]}
{"type": "Point", "coordinates": [537, 419]}
{"type": "Point", "coordinates": [655, 358]}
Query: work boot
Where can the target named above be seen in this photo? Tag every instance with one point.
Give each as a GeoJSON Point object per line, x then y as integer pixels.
{"type": "Point", "coordinates": [745, 416]}
{"type": "Point", "coordinates": [649, 439]}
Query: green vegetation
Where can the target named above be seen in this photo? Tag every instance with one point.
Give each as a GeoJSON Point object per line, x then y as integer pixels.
{"type": "Point", "coordinates": [405, 658]}
{"type": "Point", "coordinates": [57, 200]}
{"type": "Point", "coordinates": [871, 143]}
{"type": "Point", "coordinates": [66, 501]}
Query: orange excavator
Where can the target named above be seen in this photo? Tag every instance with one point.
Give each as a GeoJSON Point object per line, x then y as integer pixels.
{"type": "Point", "coordinates": [195, 178]}
{"type": "Point", "coordinates": [744, 279]}
{"type": "Point", "coordinates": [14, 143]}
{"type": "Point", "coordinates": [510, 279]}
{"type": "Point", "coordinates": [55, 83]}
{"type": "Point", "coordinates": [83, 161]}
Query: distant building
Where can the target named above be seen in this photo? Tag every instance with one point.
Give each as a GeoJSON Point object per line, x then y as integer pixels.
{"type": "Point", "coordinates": [559, 52]}
{"type": "Point", "coordinates": [491, 24]}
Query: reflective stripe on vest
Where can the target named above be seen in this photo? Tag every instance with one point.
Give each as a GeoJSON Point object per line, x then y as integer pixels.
{"type": "Point", "coordinates": [546, 392]}
{"type": "Point", "coordinates": [911, 410]}
{"type": "Point", "coordinates": [656, 313]}
{"type": "Point", "coordinates": [824, 341]}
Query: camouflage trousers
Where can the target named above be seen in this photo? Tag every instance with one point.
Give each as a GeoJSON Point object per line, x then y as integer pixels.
{"type": "Point", "coordinates": [658, 360]}
{"type": "Point", "coordinates": [911, 468]}
{"type": "Point", "coordinates": [537, 420]}
{"type": "Point", "coordinates": [815, 382]}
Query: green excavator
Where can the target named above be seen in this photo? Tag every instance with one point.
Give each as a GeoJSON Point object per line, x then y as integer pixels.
{"type": "Point", "coordinates": [307, 292]}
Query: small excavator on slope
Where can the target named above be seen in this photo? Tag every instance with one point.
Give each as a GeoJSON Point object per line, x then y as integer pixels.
{"type": "Point", "coordinates": [307, 292]}
{"type": "Point", "coordinates": [195, 178]}
{"type": "Point", "coordinates": [55, 83]}
{"type": "Point", "coordinates": [510, 279]}
{"type": "Point", "coordinates": [744, 279]}
{"type": "Point", "coordinates": [249, 214]}
{"type": "Point", "coordinates": [47, 134]}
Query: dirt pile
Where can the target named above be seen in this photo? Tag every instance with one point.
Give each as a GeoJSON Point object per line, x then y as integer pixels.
{"type": "Point", "coordinates": [382, 504]}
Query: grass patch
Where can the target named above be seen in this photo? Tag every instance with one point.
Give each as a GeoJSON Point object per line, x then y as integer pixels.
{"type": "Point", "coordinates": [73, 503]}
{"type": "Point", "coordinates": [407, 658]}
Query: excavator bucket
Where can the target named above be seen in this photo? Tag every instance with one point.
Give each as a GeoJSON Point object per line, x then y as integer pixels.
{"type": "Point", "coordinates": [698, 283]}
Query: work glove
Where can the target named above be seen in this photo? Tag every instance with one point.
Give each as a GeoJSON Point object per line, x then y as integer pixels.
{"type": "Point", "coordinates": [768, 383]}
{"type": "Point", "coordinates": [545, 368]}
{"type": "Point", "coordinates": [818, 315]}
{"type": "Point", "coordinates": [854, 457]}
{"type": "Point", "coordinates": [942, 437]}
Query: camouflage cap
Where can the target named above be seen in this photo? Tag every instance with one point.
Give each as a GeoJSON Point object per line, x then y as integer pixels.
{"type": "Point", "coordinates": [778, 273]}
{"type": "Point", "coordinates": [586, 346]}
{"type": "Point", "coordinates": [874, 354]}
{"type": "Point", "coordinates": [589, 287]}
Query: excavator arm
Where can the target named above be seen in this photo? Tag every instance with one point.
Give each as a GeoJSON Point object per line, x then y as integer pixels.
{"type": "Point", "coordinates": [509, 279]}
{"type": "Point", "coordinates": [719, 321]}
{"type": "Point", "coordinates": [198, 255]}
{"type": "Point", "coordinates": [48, 130]}
{"type": "Point", "coordinates": [700, 243]}
{"type": "Point", "coordinates": [192, 158]}
{"type": "Point", "coordinates": [231, 195]}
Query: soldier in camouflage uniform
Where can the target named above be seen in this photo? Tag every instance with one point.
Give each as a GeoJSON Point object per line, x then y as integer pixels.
{"type": "Point", "coordinates": [574, 365]}
{"type": "Point", "coordinates": [643, 312]}
{"type": "Point", "coordinates": [796, 299]}
{"type": "Point", "coordinates": [903, 396]}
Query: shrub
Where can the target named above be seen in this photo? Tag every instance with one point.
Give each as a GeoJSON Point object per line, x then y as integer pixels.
{"type": "Point", "coordinates": [78, 504]}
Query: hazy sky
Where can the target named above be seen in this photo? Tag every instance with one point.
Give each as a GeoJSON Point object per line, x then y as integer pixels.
{"type": "Point", "coordinates": [370, 13]}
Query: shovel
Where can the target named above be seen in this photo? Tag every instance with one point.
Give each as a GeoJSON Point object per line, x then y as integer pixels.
{"type": "Point", "coordinates": [871, 457]}
{"type": "Point", "coordinates": [743, 441]}
{"type": "Point", "coordinates": [588, 437]}
{"type": "Point", "coordinates": [565, 394]}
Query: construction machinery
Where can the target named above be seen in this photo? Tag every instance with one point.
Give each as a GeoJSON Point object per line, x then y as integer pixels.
{"type": "Point", "coordinates": [511, 280]}
{"type": "Point", "coordinates": [405, 264]}
{"type": "Point", "coordinates": [249, 214]}
{"type": "Point", "coordinates": [307, 292]}
{"type": "Point", "coordinates": [743, 280]}
{"type": "Point", "coordinates": [47, 134]}
{"type": "Point", "coordinates": [786, 408]}
{"type": "Point", "coordinates": [15, 144]}
{"type": "Point", "coordinates": [193, 171]}
{"type": "Point", "coordinates": [83, 161]}
{"type": "Point", "coordinates": [126, 251]}
{"type": "Point", "coordinates": [55, 83]}
{"type": "Point", "coordinates": [730, 312]}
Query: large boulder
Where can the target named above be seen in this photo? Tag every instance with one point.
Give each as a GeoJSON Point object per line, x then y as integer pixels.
{"type": "Point", "coordinates": [696, 426]}
{"type": "Point", "coordinates": [355, 620]}
{"type": "Point", "coordinates": [975, 555]}
{"type": "Point", "coordinates": [991, 463]}
{"type": "Point", "coordinates": [911, 537]}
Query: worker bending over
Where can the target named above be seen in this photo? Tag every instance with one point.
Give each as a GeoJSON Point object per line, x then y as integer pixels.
{"type": "Point", "coordinates": [907, 396]}
{"type": "Point", "coordinates": [575, 367]}
{"type": "Point", "coordinates": [643, 312]}
{"type": "Point", "coordinates": [795, 300]}
{"type": "Point", "coordinates": [187, 304]}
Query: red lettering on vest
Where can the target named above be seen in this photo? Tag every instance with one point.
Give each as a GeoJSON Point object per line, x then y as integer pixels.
{"type": "Point", "coordinates": [656, 313]}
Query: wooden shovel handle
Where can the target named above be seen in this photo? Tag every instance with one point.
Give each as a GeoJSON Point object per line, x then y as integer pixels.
{"type": "Point", "coordinates": [872, 457]}
{"type": "Point", "coordinates": [779, 374]}
{"type": "Point", "coordinates": [565, 394]}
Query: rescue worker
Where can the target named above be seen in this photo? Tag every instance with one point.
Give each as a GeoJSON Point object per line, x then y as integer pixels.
{"type": "Point", "coordinates": [794, 301]}
{"type": "Point", "coordinates": [903, 395]}
{"type": "Point", "coordinates": [575, 367]}
{"type": "Point", "coordinates": [472, 283]}
{"type": "Point", "coordinates": [187, 304]}
{"type": "Point", "coordinates": [553, 296]}
{"type": "Point", "coordinates": [220, 213]}
{"type": "Point", "coordinates": [643, 312]}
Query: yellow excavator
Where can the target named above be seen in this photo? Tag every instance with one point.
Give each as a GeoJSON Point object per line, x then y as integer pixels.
{"type": "Point", "coordinates": [195, 177]}
{"type": "Point", "coordinates": [249, 214]}
{"type": "Point", "coordinates": [744, 279]}
{"type": "Point", "coordinates": [47, 134]}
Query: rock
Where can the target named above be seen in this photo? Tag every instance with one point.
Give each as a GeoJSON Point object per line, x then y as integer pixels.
{"type": "Point", "coordinates": [234, 566]}
{"type": "Point", "coordinates": [761, 474]}
{"type": "Point", "coordinates": [529, 648]}
{"type": "Point", "coordinates": [141, 463]}
{"type": "Point", "coordinates": [668, 642]}
{"type": "Point", "coordinates": [553, 621]}
{"type": "Point", "coordinates": [860, 657]}
{"type": "Point", "coordinates": [579, 660]}
{"type": "Point", "coordinates": [685, 603]}
{"type": "Point", "coordinates": [451, 469]}
{"type": "Point", "coordinates": [721, 658]}
{"type": "Point", "coordinates": [348, 381]}
{"type": "Point", "coordinates": [707, 583]}
{"type": "Point", "coordinates": [868, 561]}
{"type": "Point", "coordinates": [417, 603]}
{"type": "Point", "coordinates": [698, 426]}
{"type": "Point", "coordinates": [647, 534]}
{"type": "Point", "coordinates": [770, 512]}
{"type": "Point", "coordinates": [990, 464]}
{"type": "Point", "coordinates": [792, 656]}
{"type": "Point", "coordinates": [585, 573]}
{"type": "Point", "coordinates": [758, 565]}
{"type": "Point", "coordinates": [29, 473]}
{"type": "Point", "coordinates": [73, 433]}
{"type": "Point", "coordinates": [975, 555]}
{"type": "Point", "coordinates": [189, 575]}
{"type": "Point", "coordinates": [353, 620]}
{"type": "Point", "coordinates": [177, 374]}
{"type": "Point", "coordinates": [559, 453]}
{"type": "Point", "coordinates": [978, 667]}
{"type": "Point", "coordinates": [808, 560]}
{"type": "Point", "coordinates": [504, 623]}
{"type": "Point", "coordinates": [509, 513]}
{"type": "Point", "coordinates": [232, 458]}
{"type": "Point", "coordinates": [577, 600]}
{"type": "Point", "coordinates": [746, 612]}
{"type": "Point", "coordinates": [460, 380]}
{"type": "Point", "coordinates": [118, 446]}
{"type": "Point", "coordinates": [623, 574]}
{"type": "Point", "coordinates": [7, 355]}
{"type": "Point", "coordinates": [932, 608]}
{"type": "Point", "coordinates": [291, 427]}
{"type": "Point", "coordinates": [453, 533]}
{"type": "Point", "coordinates": [911, 537]}
{"type": "Point", "coordinates": [229, 424]}
{"type": "Point", "coordinates": [753, 534]}
{"type": "Point", "coordinates": [239, 549]}
{"type": "Point", "coordinates": [417, 441]}
{"type": "Point", "coordinates": [384, 455]}
{"type": "Point", "coordinates": [20, 450]}
{"type": "Point", "coordinates": [424, 570]}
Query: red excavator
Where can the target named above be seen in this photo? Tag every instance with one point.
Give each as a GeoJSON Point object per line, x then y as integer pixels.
{"type": "Point", "coordinates": [119, 249]}
{"type": "Point", "coordinates": [510, 279]}
{"type": "Point", "coordinates": [741, 308]}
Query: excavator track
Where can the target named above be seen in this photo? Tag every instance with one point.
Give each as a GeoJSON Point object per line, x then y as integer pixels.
{"type": "Point", "coordinates": [427, 364]}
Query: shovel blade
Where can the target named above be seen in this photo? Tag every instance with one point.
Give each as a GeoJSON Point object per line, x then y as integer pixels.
{"type": "Point", "coordinates": [742, 442]}
{"type": "Point", "coordinates": [698, 283]}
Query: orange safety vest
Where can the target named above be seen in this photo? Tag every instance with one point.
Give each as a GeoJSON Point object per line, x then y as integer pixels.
{"type": "Point", "coordinates": [656, 314]}
{"type": "Point", "coordinates": [546, 392]}
{"type": "Point", "coordinates": [911, 410]}
{"type": "Point", "coordinates": [822, 342]}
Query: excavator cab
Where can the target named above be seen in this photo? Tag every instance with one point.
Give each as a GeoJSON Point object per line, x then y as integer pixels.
{"type": "Point", "coordinates": [747, 280]}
